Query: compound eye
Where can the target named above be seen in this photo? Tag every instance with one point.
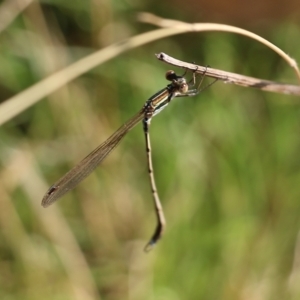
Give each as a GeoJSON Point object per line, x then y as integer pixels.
{"type": "Point", "coordinates": [170, 75]}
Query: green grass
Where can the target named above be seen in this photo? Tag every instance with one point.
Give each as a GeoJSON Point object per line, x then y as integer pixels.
{"type": "Point", "coordinates": [226, 165]}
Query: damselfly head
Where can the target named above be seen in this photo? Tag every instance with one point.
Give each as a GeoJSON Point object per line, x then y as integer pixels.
{"type": "Point", "coordinates": [171, 75]}
{"type": "Point", "coordinates": [178, 81]}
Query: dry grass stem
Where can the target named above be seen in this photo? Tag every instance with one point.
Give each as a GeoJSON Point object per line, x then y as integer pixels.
{"type": "Point", "coordinates": [233, 78]}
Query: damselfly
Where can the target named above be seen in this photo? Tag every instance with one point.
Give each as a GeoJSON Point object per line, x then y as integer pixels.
{"type": "Point", "coordinates": [178, 87]}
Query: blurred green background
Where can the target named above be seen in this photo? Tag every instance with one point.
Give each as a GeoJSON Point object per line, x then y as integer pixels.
{"type": "Point", "coordinates": [226, 162]}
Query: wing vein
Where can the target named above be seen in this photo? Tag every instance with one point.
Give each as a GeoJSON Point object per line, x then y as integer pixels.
{"type": "Point", "coordinates": [89, 163]}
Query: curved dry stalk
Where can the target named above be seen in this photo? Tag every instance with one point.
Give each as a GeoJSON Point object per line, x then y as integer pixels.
{"type": "Point", "coordinates": [16, 104]}
{"type": "Point", "coordinates": [196, 27]}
